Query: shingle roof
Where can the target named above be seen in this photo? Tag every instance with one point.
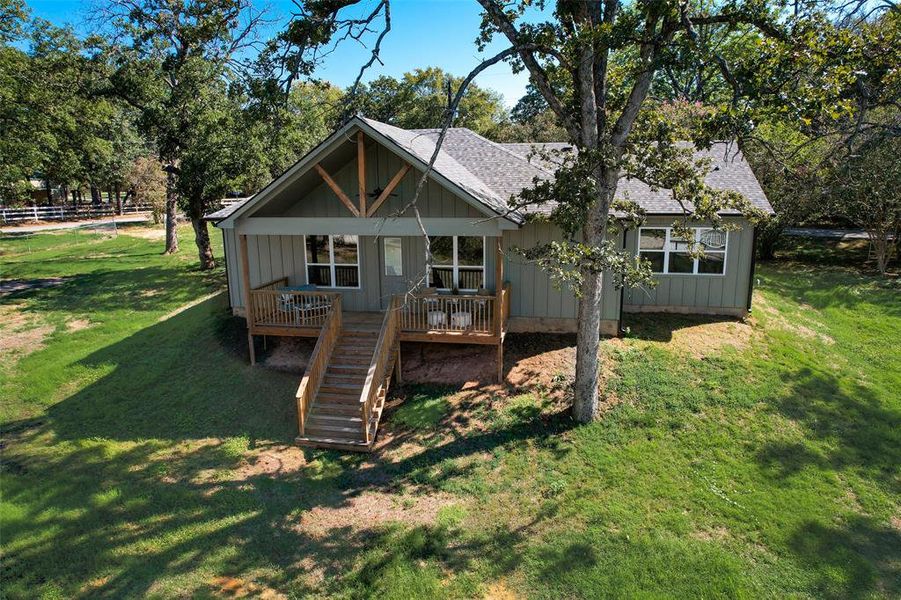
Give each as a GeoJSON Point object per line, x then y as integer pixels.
{"type": "Point", "coordinates": [422, 145]}
{"type": "Point", "coordinates": [728, 171]}
{"type": "Point", "coordinates": [493, 173]}
{"type": "Point", "coordinates": [227, 210]}
{"type": "Point", "coordinates": [509, 168]}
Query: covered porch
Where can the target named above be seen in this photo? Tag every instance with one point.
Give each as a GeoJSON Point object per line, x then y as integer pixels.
{"type": "Point", "coordinates": [278, 308]}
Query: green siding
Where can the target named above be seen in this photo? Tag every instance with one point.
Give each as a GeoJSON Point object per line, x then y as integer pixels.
{"type": "Point", "coordinates": [274, 256]}
{"type": "Point", "coordinates": [710, 292]}
{"type": "Point", "coordinates": [533, 294]}
{"type": "Point", "coordinates": [381, 166]}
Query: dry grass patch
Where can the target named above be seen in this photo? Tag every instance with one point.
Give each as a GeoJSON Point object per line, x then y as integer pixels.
{"type": "Point", "coordinates": [21, 332]}
{"type": "Point", "coordinates": [803, 325]}
{"type": "Point", "coordinates": [146, 233]}
{"type": "Point", "coordinates": [371, 509]}
{"type": "Point", "coordinates": [710, 339]}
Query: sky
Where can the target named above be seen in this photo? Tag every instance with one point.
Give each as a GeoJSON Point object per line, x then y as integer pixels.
{"type": "Point", "coordinates": [423, 33]}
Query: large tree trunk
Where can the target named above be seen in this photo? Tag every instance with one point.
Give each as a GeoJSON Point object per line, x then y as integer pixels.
{"type": "Point", "coordinates": [586, 396]}
{"type": "Point", "coordinates": [171, 216]}
{"type": "Point", "coordinates": [118, 200]}
{"type": "Point", "coordinates": [204, 248]}
{"type": "Point", "coordinates": [49, 191]}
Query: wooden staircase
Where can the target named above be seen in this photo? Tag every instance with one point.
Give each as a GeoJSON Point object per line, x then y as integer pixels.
{"type": "Point", "coordinates": [332, 415]}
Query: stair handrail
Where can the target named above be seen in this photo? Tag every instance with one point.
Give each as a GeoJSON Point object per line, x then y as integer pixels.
{"type": "Point", "coordinates": [319, 360]}
{"type": "Point", "coordinates": [377, 374]}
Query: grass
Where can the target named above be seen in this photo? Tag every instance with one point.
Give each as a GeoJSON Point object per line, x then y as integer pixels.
{"type": "Point", "coordinates": [144, 457]}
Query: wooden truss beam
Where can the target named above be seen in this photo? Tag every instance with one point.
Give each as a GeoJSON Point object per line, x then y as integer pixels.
{"type": "Point", "coordinates": [361, 172]}
{"type": "Point", "coordinates": [395, 181]}
{"type": "Point", "coordinates": [337, 189]}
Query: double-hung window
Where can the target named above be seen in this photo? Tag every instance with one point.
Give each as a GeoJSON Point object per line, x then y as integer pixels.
{"type": "Point", "coordinates": [333, 261]}
{"type": "Point", "coordinates": [458, 263]}
{"type": "Point", "coordinates": [669, 254]}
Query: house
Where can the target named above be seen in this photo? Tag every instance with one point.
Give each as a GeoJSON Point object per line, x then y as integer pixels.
{"type": "Point", "coordinates": [332, 250]}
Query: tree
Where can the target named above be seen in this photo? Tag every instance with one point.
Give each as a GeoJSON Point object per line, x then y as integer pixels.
{"type": "Point", "coordinates": [863, 188]}
{"type": "Point", "coordinates": [170, 58]}
{"type": "Point", "coordinates": [418, 98]}
{"type": "Point", "coordinates": [278, 129]}
{"type": "Point", "coordinates": [610, 53]}
{"type": "Point", "coordinates": [56, 123]}
{"type": "Point", "coordinates": [145, 182]}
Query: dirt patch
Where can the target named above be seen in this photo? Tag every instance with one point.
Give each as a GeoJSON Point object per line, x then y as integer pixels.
{"type": "Point", "coordinates": [448, 364]}
{"type": "Point", "coordinates": [289, 354]}
{"type": "Point", "coordinates": [499, 591]}
{"type": "Point", "coordinates": [77, 324]}
{"type": "Point", "coordinates": [21, 333]}
{"type": "Point", "coordinates": [529, 360]}
{"type": "Point", "coordinates": [147, 233]}
{"type": "Point", "coordinates": [370, 509]}
{"type": "Point", "coordinates": [545, 360]}
{"type": "Point", "coordinates": [17, 286]}
{"type": "Point", "coordinates": [271, 461]}
{"type": "Point", "coordinates": [233, 587]}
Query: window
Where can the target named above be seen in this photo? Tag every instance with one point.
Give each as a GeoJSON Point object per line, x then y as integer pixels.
{"type": "Point", "coordinates": [333, 261]}
{"type": "Point", "coordinates": [394, 259]}
{"type": "Point", "coordinates": [458, 262]}
{"type": "Point", "coordinates": [670, 254]}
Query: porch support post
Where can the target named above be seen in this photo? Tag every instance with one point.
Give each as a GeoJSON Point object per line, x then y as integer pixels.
{"type": "Point", "coordinates": [361, 172]}
{"type": "Point", "coordinates": [398, 375]}
{"type": "Point", "coordinates": [248, 309]}
{"type": "Point", "coordinates": [499, 265]}
{"type": "Point", "coordinates": [499, 304]}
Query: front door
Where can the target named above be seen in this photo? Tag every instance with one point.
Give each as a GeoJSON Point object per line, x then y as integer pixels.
{"type": "Point", "coordinates": [394, 269]}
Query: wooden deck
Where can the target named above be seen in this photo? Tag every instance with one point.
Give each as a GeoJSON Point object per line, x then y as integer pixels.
{"type": "Point", "coordinates": [357, 354]}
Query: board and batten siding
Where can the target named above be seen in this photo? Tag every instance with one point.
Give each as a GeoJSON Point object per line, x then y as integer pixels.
{"type": "Point", "coordinates": [700, 294]}
{"type": "Point", "coordinates": [536, 304]}
{"type": "Point", "coordinates": [272, 257]}
{"type": "Point", "coordinates": [381, 166]}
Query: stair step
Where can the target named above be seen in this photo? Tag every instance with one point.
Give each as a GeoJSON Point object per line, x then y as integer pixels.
{"type": "Point", "coordinates": [334, 430]}
{"type": "Point", "coordinates": [342, 397]}
{"type": "Point", "coordinates": [341, 420]}
{"type": "Point", "coordinates": [340, 387]}
{"type": "Point", "coordinates": [348, 369]}
{"type": "Point", "coordinates": [353, 378]}
{"type": "Point", "coordinates": [335, 408]}
{"type": "Point", "coordinates": [369, 336]}
{"type": "Point", "coordinates": [353, 350]}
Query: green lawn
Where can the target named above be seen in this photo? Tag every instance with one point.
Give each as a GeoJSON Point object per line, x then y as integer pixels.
{"type": "Point", "coordinates": [143, 456]}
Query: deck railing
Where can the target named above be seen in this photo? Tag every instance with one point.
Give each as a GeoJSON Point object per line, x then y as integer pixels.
{"type": "Point", "coordinates": [377, 375]}
{"type": "Point", "coordinates": [446, 313]}
{"type": "Point", "coordinates": [273, 306]}
{"type": "Point", "coordinates": [316, 368]}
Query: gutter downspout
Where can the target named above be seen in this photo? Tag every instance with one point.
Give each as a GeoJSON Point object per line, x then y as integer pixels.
{"type": "Point", "coordinates": [622, 292]}
{"type": "Point", "coordinates": [753, 268]}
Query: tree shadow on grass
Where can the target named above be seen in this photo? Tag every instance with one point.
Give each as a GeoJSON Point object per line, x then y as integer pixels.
{"type": "Point", "coordinates": [847, 427]}
{"type": "Point", "coordinates": [139, 290]}
{"type": "Point", "coordinates": [182, 378]}
{"type": "Point", "coordinates": [861, 557]}
{"type": "Point", "coordinates": [167, 500]}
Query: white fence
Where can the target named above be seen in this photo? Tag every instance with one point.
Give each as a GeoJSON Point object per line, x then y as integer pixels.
{"type": "Point", "coordinates": [67, 213]}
